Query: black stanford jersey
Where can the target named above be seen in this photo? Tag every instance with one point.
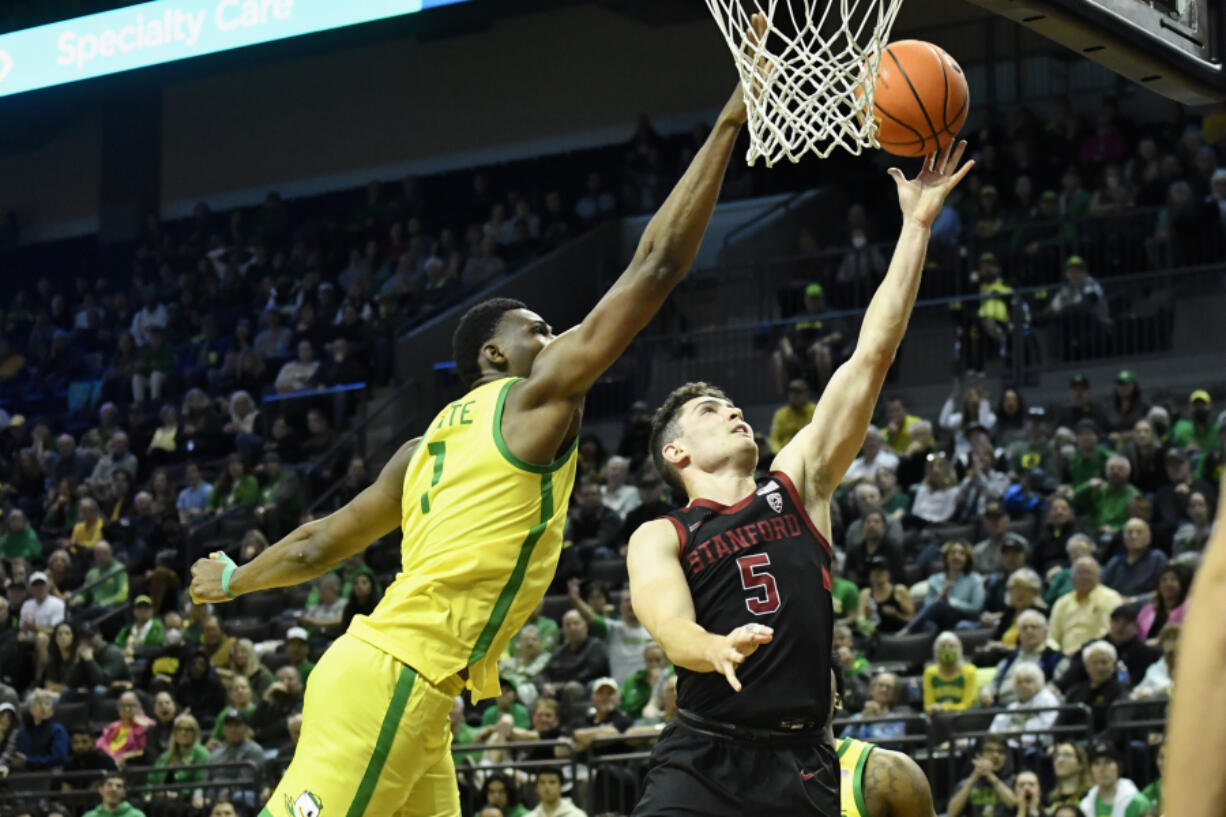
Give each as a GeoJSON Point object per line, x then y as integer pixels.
{"type": "Point", "coordinates": [760, 561]}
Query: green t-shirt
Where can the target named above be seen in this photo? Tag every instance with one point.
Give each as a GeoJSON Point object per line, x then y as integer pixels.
{"type": "Point", "coordinates": [198, 756]}
{"type": "Point", "coordinates": [549, 634]}
{"type": "Point", "coordinates": [1082, 469]}
{"type": "Point", "coordinates": [304, 669]}
{"type": "Point", "coordinates": [1153, 793]}
{"type": "Point", "coordinates": [519, 714]}
{"type": "Point", "coordinates": [24, 545]}
{"type": "Point", "coordinates": [1185, 432]}
{"type": "Point", "coordinates": [113, 590]}
{"type": "Point", "coordinates": [125, 809]}
{"type": "Point", "coordinates": [1060, 584]}
{"type": "Point", "coordinates": [1137, 807]}
{"type": "Point", "coordinates": [1106, 506]}
{"type": "Point", "coordinates": [465, 736]}
{"type": "Point", "coordinates": [846, 597]}
{"type": "Point", "coordinates": [1024, 457]}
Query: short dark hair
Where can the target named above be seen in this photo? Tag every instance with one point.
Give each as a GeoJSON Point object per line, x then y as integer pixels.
{"type": "Point", "coordinates": [665, 427]}
{"type": "Point", "coordinates": [474, 330]}
{"type": "Point", "coordinates": [553, 770]}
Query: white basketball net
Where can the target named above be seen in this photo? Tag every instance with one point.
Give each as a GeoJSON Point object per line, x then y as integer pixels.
{"type": "Point", "coordinates": [806, 99]}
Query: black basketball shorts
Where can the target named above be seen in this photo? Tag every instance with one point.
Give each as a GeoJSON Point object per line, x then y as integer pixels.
{"type": "Point", "coordinates": [697, 773]}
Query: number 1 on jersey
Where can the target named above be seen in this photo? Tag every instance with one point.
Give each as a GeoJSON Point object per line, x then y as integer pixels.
{"type": "Point", "coordinates": [765, 599]}
{"type": "Point", "coordinates": [438, 451]}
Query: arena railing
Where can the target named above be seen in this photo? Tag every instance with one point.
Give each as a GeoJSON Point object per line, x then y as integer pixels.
{"type": "Point", "coordinates": [472, 771]}
{"type": "Point", "coordinates": [38, 791]}
{"type": "Point", "coordinates": [954, 748]}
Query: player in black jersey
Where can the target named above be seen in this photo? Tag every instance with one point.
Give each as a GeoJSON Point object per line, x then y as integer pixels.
{"type": "Point", "coordinates": [736, 586]}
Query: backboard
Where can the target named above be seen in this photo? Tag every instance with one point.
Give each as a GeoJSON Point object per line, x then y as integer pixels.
{"type": "Point", "coordinates": [1173, 47]}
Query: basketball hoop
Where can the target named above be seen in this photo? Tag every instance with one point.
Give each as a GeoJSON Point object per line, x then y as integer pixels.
{"type": "Point", "coordinates": [815, 93]}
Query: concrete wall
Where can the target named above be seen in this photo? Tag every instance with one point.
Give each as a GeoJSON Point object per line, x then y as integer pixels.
{"type": "Point", "coordinates": [575, 74]}
{"type": "Point", "coordinates": [54, 187]}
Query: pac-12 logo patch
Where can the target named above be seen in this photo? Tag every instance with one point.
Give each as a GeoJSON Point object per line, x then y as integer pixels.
{"type": "Point", "coordinates": [775, 501]}
{"type": "Point", "coordinates": [307, 805]}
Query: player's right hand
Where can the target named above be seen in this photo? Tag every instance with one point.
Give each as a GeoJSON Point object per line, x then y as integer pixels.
{"type": "Point", "coordinates": [206, 580]}
{"type": "Point", "coordinates": [727, 652]}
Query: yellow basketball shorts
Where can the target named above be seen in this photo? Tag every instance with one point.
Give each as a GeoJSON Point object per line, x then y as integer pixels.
{"type": "Point", "coordinates": [376, 741]}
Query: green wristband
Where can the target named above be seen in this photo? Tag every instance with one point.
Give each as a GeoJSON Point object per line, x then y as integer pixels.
{"type": "Point", "coordinates": [226, 573]}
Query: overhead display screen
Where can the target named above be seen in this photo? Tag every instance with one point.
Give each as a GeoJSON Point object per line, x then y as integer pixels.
{"type": "Point", "coordinates": [168, 30]}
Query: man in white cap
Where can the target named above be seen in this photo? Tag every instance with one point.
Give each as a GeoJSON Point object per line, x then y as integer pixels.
{"type": "Point", "coordinates": [298, 651]}
{"type": "Point", "coordinates": [42, 611]}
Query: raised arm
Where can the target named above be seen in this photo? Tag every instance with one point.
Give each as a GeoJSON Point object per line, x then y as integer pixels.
{"type": "Point", "coordinates": [1193, 784]}
{"type": "Point", "coordinates": [569, 366]}
{"type": "Point", "coordinates": [662, 601]}
{"type": "Point", "coordinates": [316, 547]}
{"type": "Point", "coordinates": [817, 458]}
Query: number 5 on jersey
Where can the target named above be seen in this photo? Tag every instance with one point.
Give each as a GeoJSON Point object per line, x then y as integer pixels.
{"type": "Point", "coordinates": [754, 576]}
{"type": "Point", "coordinates": [438, 451]}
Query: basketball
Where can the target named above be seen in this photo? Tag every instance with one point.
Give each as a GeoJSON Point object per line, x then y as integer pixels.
{"type": "Point", "coordinates": [921, 98]}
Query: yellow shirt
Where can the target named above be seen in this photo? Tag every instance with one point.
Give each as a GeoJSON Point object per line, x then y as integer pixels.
{"type": "Point", "coordinates": [956, 694]}
{"type": "Point", "coordinates": [995, 308]}
{"type": "Point", "coordinates": [82, 536]}
{"type": "Point", "coordinates": [853, 755]}
{"type": "Point", "coordinates": [788, 421]}
{"type": "Point", "coordinates": [901, 441]}
{"type": "Point", "coordinates": [482, 531]}
{"type": "Point", "coordinates": [1073, 623]}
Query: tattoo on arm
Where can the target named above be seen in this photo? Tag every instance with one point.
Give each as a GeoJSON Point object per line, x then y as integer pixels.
{"type": "Point", "coordinates": [894, 786]}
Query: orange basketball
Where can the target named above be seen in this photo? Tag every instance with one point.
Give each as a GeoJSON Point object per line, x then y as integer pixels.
{"type": "Point", "coordinates": [921, 99]}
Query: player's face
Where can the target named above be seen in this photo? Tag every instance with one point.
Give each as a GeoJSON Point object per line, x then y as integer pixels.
{"type": "Point", "coordinates": [713, 432]}
{"type": "Point", "coordinates": [522, 335]}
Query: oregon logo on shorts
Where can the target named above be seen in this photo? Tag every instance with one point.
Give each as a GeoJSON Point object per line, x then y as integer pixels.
{"type": "Point", "coordinates": [307, 805]}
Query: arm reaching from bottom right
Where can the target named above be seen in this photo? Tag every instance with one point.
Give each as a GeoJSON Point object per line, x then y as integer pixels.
{"type": "Point", "coordinates": [1193, 784]}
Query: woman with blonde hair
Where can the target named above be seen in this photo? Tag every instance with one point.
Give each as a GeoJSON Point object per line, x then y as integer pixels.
{"type": "Point", "coordinates": [1072, 770]}
{"type": "Point", "coordinates": [245, 662]}
{"type": "Point", "coordinates": [185, 750]}
{"type": "Point", "coordinates": [950, 683]}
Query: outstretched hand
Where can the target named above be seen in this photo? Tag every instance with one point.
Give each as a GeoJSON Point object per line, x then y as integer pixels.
{"type": "Point", "coordinates": [921, 198]}
{"type": "Point", "coordinates": [728, 652]}
{"type": "Point", "coordinates": [754, 37]}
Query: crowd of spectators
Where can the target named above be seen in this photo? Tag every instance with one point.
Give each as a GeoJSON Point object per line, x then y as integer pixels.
{"type": "Point", "coordinates": [1064, 537]}
{"type": "Point", "coordinates": [1052, 213]}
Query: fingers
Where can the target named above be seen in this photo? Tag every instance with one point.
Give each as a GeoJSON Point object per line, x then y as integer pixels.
{"type": "Point", "coordinates": [897, 175]}
{"type": "Point", "coordinates": [961, 174]}
{"type": "Point", "coordinates": [956, 159]}
{"type": "Point", "coordinates": [758, 22]}
{"type": "Point", "coordinates": [731, 659]}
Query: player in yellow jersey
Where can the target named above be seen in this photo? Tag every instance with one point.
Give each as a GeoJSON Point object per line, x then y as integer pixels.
{"type": "Point", "coordinates": [481, 498]}
{"type": "Point", "coordinates": [876, 782]}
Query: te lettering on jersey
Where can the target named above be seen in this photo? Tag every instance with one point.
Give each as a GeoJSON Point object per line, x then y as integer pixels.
{"type": "Point", "coordinates": [456, 414]}
{"type": "Point", "coordinates": [709, 551]}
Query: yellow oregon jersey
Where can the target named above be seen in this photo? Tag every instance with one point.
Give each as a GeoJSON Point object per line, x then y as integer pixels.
{"type": "Point", "coordinates": [482, 534]}
{"type": "Point", "coordinates": [853, 754]}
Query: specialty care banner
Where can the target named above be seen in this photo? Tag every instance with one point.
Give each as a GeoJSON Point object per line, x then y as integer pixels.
{"type": "Point", "coordinates": [167, 30]}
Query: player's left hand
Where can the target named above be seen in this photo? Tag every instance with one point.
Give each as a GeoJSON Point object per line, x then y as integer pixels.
{"type": "Point", "coordinates": [728, 652]}
{"type": "Point", "coordinates": [922, 198]}
{"type": "Point", "coordinates": [206, 580]}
